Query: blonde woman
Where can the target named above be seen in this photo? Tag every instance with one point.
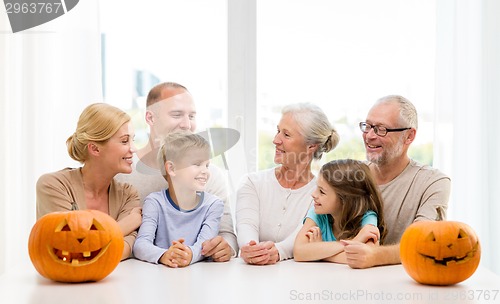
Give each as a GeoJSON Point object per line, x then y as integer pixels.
{"type": "Point", "coordinates": [103, 143]}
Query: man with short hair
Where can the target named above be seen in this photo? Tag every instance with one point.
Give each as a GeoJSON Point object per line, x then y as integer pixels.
{"type": "Point", "coordinates": [411, 191]}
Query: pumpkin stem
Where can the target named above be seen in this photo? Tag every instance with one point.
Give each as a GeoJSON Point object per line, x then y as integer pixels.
{"type": "Point", "coordinates": [440, 213]}
{"type": "Point", "coordinates": [74, 206]}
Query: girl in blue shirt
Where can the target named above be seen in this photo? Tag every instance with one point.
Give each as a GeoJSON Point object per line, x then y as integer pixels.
{"type": "Point", "coordinates": [347, 205]}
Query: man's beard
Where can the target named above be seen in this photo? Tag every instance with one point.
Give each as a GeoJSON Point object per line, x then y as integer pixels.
{"type": "Point", "coordinates": [387, 156]}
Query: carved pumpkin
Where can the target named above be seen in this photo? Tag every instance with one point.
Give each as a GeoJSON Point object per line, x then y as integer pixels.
{"type": "Point", "coordinates": [440, 253]}
{"type": "Point", "coordinates": [75, 246]}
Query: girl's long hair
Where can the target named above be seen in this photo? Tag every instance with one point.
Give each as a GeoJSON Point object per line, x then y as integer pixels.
{"type": "Point", "coordinates": [357, 192]}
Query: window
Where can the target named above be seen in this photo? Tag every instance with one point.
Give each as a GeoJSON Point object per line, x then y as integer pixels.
{"type": "Point", "coordinates": [147, 42]}
{"type": "Point", "coordinates": [342, 56]}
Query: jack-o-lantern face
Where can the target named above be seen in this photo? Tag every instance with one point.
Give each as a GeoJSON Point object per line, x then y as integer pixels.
{"type": "Point", "coordinates": [75, 246]}
{"type": "Point", "coordinates": [440, 253]}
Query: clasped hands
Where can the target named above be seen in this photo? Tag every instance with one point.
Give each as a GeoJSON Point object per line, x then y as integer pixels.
{"type": "Point", "coordinates": [263, 253]}
{"type": "Point", "coordinates": [360, 251]}
{"type": "Point", "coordinates": [177, 255]}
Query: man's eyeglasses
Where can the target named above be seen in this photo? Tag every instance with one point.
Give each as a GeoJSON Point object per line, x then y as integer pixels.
{"type": "Point", "coordinates": [379, 130]}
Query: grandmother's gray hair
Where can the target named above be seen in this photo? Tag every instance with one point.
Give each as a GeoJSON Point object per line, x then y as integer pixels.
{"type": "Point", "coordinates": [314, 126]}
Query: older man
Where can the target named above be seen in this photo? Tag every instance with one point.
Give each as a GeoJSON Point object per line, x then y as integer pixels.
{"type": "Point", "coordinates": [411, 191]}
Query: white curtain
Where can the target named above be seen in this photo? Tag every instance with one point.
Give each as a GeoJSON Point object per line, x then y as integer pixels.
{"type": "Point", "coordinates": [467, 114]}
{"type": "Point", "coordinates": [48, 74]}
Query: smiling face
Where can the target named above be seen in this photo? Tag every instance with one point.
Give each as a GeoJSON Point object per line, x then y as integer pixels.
{"type": "Point", "coordinates": [440, 253]}
{"type": "Point", "coordinates": [291, 148]}
{"type": "Point", "coordinates": [117, 152]}
{"type": "Point", "coordinates": [443, 248]}
{"type": "Point", "coordinates": [75, 246]}
{"type": "Point", "coordinates": [175, 111]}
{"type": "Point", "coordinates": [191, 171]}
{"type": "Point", "coordinates": [392, 147]}
{"type": "Point", "coordinates": [68, 237]}
{"type": "Point", "coordinates": [326, 200]}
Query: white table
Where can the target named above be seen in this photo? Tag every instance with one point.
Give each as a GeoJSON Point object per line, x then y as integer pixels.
{"type": "Point", "coordinates": [139, 282]}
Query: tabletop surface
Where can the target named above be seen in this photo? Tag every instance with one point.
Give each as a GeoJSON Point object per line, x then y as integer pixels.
{"type": "Point", "coordinates": [135, 281]}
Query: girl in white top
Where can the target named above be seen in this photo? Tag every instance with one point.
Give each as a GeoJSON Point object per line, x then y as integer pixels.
{"type": "Point", "coordinates": [271, 204]}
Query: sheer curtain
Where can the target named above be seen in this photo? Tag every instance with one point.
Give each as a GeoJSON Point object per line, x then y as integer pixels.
{"type": "Point", "coordinates": [48, 75]}
{"type": "Point", "coordinates": [467, 111]}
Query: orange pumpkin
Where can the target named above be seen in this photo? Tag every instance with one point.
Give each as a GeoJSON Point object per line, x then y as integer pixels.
{"type": "Point", "coordinates": [440, 253]}
{"type": "Point", "coordinates": [75, 246]}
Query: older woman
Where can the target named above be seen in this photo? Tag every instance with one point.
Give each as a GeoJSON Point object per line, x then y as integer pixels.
{"type": "Point", "coordinates": [103, 144]}
{"type": "Point", "coordinates": [271, 204]}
